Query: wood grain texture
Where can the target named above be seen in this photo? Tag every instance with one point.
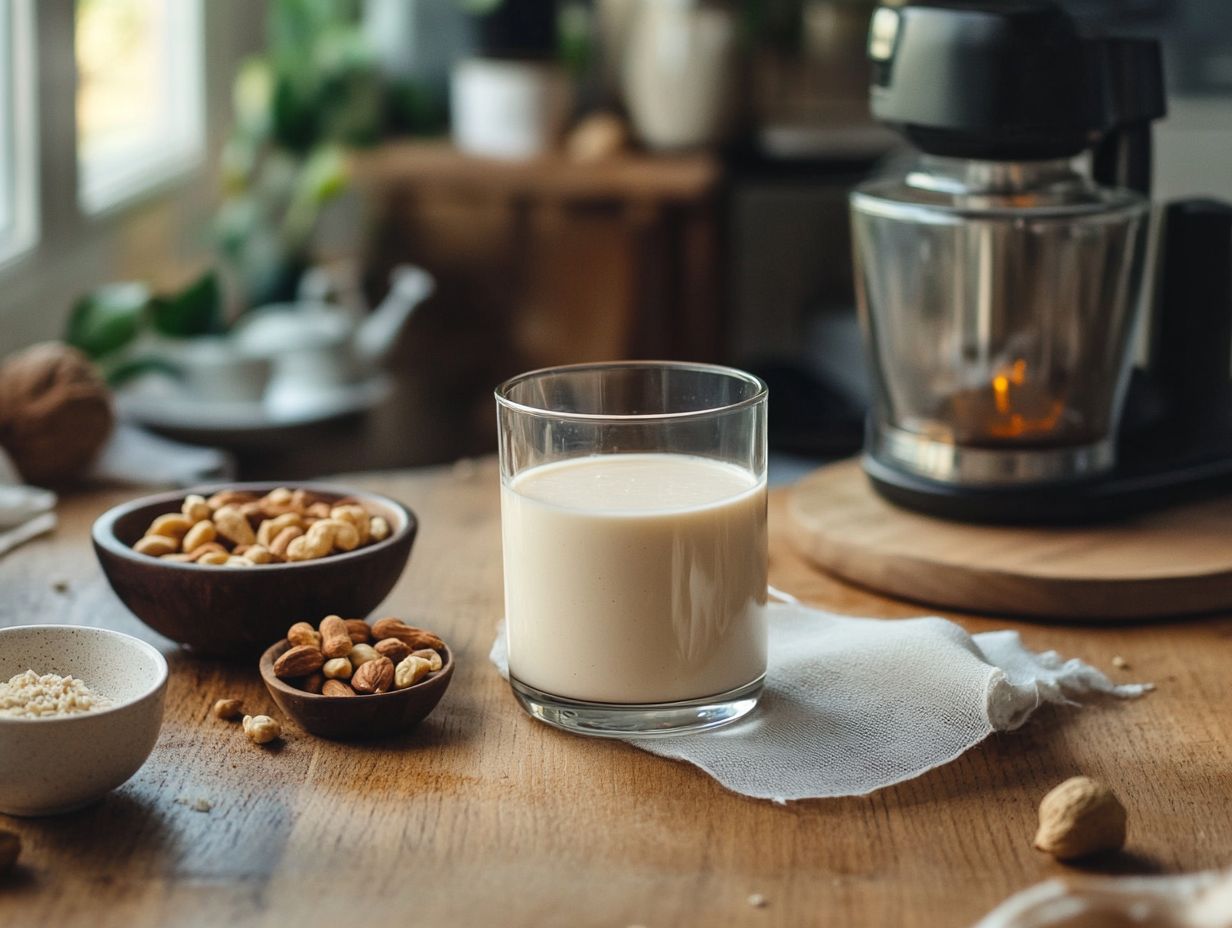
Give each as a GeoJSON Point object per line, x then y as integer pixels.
{"type": "Point", "coordinates": [1173, 562]}
{"type": "Point", "coordinates": [483, 817]}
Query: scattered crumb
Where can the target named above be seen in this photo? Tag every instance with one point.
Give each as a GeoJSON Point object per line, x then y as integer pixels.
{"type": "Point", "coordinates": [757, 901]}
{"type": "Point", "coordinates": [60, 586]}
{"type": "Point", "coordinates": [1119, 662]}
{"type": "Point", "coordinates": [197, 805]}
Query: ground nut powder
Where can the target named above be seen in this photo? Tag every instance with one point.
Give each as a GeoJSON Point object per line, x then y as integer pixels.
{"type": "Point", "coordinates": [29, 695]}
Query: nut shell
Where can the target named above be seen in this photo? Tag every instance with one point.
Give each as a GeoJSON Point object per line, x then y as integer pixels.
{"type": "Point", "coordinates": [1079, 818]}
{"type": "Point", "coordinates": [55, 412]}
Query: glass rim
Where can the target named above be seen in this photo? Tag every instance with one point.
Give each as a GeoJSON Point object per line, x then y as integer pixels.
{"type": "Point", "coordinates": [762, 391]}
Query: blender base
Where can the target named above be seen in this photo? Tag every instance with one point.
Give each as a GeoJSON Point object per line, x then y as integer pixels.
{"type": "Point", "coordinates": [1142, 481]}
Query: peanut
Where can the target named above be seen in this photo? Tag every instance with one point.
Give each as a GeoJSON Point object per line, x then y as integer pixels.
{"type": "Point", "coordinates": [195, 508]}
{"type": "Point", "coordinates": [394, 649]}
{"type": "Point", "coordinates": [179, 558]}
{"type": "Point", "coordinates": [358, 630]}
{"type": "Point", "coordinates": [374, 676]}
{"type": "Point", "coordinates": [301, 633]}
{"type": "Point", "coordinates": [200, 534]}
{"type": "Point", "coordinates": [258, 555]}
{"type": "Point", "coordinates": [317, 511]}
{"type": "Point", "coordinates": [338, 668]}
{"type": "Point", "coordinates": [278, 547]}
{"type": "Point", "coordinates": [261, 729]}
{"type": "Point", "coordinates": [410, 671]}
{"type": "Point", "coordinates": [378, 528]}
{"type": "Point", "coordinates": [213, 558]}
{"type": "Point", "coordinates": [346, 538]}
{"type": "Point", "coordinates": [156, 545]}
{"type": "Point", "coordinates": [335, 639]}
{"type": "Point", "coordinates": [337, 688]}
{"type": "Point", "coordinates": [229, 498]}
{"type": "Point", "coordinates": [316, 543]}
{"type": "Point", "coordinates": [253, 513]}
{"type": "Point", "coordinates": [228, 709]}
{"type": "Point", "coordinates": [173, 525]}
{"type": "Point", "coordinates": [233, 525]}
{"type": "Point", "coordinates": [361, 654]}
{"type": "Point", "coordinates": [236, 560]}
{"type": "Point", "coordinates": [431, 656]}
{"type": "Point", "coordinates": [302, 499]}
{"type": "Point", "coordinates": [210, 547]}
{"type": "Point", "coordinates": [279, 501]}
{"type": "Point", "coordinates": [356, 515]}
{"type": "Point", "coordinates": [270, 528]}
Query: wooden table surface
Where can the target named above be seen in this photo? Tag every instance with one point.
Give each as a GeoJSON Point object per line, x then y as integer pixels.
{"type": "Point", "coordinates": [484, 817]}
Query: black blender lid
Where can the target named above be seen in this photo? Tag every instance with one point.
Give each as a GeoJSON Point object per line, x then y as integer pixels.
{"type": "Point", "coordinates": [1011, 80]}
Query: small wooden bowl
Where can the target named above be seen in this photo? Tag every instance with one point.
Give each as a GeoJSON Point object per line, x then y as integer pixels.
{"type": "Point", "coordinates": [356, 718]}
{"type": "Point", "coordinates": [236, 611]}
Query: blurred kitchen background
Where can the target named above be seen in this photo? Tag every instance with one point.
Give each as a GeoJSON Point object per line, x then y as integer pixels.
{"type": "Point", "coordinates": [314, 234]}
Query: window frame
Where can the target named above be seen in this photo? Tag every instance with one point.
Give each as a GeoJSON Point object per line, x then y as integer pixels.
{"type": "Point", "coordinates": [19, 233]}
{"type": "Point", "coordinates": [128, 177]}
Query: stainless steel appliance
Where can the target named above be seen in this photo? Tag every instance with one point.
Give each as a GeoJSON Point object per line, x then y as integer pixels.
{"type": "Point", "coordinates": [999, 280]}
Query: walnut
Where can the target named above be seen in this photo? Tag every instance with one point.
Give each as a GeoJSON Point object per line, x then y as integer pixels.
{"type": "Point", "coordinates": [55, 412]}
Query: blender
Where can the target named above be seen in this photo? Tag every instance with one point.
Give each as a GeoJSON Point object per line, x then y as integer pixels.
{"type": "Point", "coordinates": [1001, 277]}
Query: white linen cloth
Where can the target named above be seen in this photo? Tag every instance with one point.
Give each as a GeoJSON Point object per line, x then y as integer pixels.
{"type": "Point", "coordinates": [131, 457]}
{"type": "Point", "coordinates": [852, 705]}
{"type": "Point", "coordinates": [25, 511]}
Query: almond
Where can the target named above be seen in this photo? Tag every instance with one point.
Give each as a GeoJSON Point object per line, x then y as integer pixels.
{"type": "Point", "coordinates": [337, 688]}
{"type": "Point", "coordinates": [397, 651]}
{"type": "Point", "coordinates": [335, 639]}
{"type": "Point", "coordinates": [374, 677]}
{"type": "Point", "coordinates": [313, 683]}
{"type": "Point", "coordinates": [299, 661]}
{"type": "Point", "coordinates": [358, 630]}
{"type": "Point", "coordinates": [416, 637]}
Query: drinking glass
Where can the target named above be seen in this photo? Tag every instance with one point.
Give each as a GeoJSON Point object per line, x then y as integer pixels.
{"type": "Point", "coordinates": [633, 517]}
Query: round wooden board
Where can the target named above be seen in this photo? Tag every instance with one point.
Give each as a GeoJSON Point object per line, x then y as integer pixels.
{"type": "Point", "coordinates": [1165, 563]}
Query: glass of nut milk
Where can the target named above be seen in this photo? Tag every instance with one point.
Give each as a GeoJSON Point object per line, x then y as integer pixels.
{"type": "Point", "coordinates": [633, 515]}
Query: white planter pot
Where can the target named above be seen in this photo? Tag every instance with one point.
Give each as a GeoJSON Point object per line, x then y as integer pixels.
{"type": "Point", "coordinates": [507, 108]}
{"type": "Point", "coordinates": [680, 73]}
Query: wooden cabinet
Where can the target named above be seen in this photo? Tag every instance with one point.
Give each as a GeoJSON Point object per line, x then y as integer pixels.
{"type": "Point", "coordinates": [542, 262]}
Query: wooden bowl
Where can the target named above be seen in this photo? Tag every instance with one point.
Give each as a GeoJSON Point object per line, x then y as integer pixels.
{"type": "Point", "coordinates": [355, 718]}
{"type": "Point", "coordinates": [236, 611]}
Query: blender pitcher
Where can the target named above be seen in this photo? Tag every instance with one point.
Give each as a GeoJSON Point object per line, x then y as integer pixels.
{"type": "Point", "coordinates": [999, 279]}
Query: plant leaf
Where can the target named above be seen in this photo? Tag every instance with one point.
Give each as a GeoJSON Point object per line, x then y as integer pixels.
{"type": "Point", "coordinates": [196, 310]}
{"type": "Point", "coordinates": [108, 318]}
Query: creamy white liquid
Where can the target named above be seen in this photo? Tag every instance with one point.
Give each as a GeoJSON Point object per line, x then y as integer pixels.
{"type": "Point", "coordinates": [635, 578]}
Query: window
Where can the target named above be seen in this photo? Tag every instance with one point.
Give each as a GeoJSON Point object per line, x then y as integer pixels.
{"type": "Point", "coordinates": [140, 110]}
{"type": "Point", "coordinates": [18, 181]}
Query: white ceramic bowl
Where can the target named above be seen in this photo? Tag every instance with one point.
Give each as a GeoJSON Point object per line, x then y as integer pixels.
{"type": "Point", "coordinates": [56, 764]}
